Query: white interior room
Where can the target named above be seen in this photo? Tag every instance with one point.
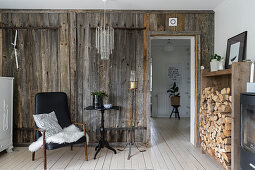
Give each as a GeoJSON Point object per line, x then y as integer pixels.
{"type": "Point", "coordinates": [170, 63]}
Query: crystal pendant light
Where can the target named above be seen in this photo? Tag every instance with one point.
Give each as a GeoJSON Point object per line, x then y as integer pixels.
{"type": "Point", "coordinates": [104, 39]}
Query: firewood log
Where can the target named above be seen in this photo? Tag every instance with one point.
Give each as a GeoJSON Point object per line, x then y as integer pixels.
{"type": "Point", "coordinates": [227, 148]}
{"type": "Point", "coordinates": [227, 133]}
{"type": "Point", "coordinates": [227, 141]}
{"type": "Point", "coordinates": [215, 123]}
{"type": "Point", "coordinates": [227, 126]}
{"type": "Point", "coordinates": [224, 108]}
{"type": "Point", "coordinates": [230, 99]}
{"type": "Point", "coordinates": [227, 120]}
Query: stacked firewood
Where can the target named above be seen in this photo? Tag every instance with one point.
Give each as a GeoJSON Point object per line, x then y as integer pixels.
{"type": "Point", "coordinates": [215, 124]}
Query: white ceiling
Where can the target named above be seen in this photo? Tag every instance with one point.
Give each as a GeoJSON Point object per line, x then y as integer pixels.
{"type": "Point", "coordinates": [112, 4]}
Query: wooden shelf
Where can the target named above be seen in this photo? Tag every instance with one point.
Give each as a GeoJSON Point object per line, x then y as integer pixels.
{"type": "Point", "coordinates": [235, 78]}
{"type": "Point", "coordinates": [217, 73]}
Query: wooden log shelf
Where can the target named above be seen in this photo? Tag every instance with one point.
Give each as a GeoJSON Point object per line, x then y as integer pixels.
{"type": "Point", "coordinates": [236, 79]}
{"type": "Point", "coordinates": [215, 124]}
{"type": "Point", "coordinates": [206, 73]}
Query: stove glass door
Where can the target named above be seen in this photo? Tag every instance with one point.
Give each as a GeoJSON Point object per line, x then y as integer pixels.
{"type": "Point", "coordinates": [248, 127]}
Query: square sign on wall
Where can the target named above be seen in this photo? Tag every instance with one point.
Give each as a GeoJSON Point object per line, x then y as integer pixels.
{"type": "Point", "coordinates": [172, 22]}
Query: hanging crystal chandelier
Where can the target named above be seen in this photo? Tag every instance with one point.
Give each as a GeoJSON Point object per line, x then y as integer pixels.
{"type": "Point", "coordinates": [104, 39]}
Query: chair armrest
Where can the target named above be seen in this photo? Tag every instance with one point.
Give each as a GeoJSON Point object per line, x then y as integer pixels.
{"type": "Point", "coordinates": [77, 123]}
{"type": "Point", "coordinates": [83, 126]}
{"type": "Point", "coordinates": [40, 130]}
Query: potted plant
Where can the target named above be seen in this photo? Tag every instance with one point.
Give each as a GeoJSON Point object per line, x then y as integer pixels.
{"type": "Point", "coordinates": [214, 62]}
{"type": "Point", "coordinates": [98, 98]}
{"type": "Point", "coordinates": [174, 95]}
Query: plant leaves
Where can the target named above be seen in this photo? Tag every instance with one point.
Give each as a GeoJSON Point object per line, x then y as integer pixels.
{"type": "Point", "coordinates": [177, 89]}
{"type": "Point", "coordinates": [174, 85]}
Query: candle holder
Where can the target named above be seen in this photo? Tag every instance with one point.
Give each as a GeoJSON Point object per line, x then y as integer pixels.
{"type": "Point", "coordinates": [132, 88]}
{"type": "Point", "coordinates": [132, 82]}
{"type": "Point", "coordinates": [132, 85]}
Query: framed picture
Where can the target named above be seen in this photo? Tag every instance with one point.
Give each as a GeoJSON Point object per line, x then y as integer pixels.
{"type": "Point", "coordinates": [236, 49]}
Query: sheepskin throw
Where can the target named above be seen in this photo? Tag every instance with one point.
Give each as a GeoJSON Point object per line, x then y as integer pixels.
{"type": "Point", "coordinates": [69, 134]}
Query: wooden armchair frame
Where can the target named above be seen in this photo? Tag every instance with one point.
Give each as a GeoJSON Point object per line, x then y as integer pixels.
{"type": "Point", "coordinates": [44, 143]}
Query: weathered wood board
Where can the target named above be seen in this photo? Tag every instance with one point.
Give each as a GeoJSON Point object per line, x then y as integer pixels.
{"type": "Point", "coordinates": [66, 60]}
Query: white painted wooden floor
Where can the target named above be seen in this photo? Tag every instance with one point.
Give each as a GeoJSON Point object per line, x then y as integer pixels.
{"type": "Point", "coordinates": [170, 150]}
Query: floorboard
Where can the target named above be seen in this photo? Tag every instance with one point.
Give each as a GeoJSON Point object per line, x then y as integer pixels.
{"type": "Point", "coordinates": [170, 150]}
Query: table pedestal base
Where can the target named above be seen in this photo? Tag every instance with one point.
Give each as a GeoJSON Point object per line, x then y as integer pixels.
{"type": "Point", "coordinates": [101, 145]}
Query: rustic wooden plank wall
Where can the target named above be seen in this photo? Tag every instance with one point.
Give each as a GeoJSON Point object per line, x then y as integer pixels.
{"type": "Point", "coordinates": [66, 60]}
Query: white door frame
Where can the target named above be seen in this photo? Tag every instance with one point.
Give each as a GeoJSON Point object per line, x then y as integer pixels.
{"type": "Point", "coordinates": [193, 76]}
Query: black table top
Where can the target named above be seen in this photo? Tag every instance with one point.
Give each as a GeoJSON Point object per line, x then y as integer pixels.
{"type": "Point", "coordinates": [93, 108]}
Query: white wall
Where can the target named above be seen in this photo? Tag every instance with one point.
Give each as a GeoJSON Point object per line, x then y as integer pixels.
{"type": "Point", "coordinates": [231, 18]}
{"type": "Point", "coordinates": [161, 60]}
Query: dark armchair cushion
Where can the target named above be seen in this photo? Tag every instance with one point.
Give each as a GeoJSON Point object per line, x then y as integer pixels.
{"type": "Point", "coordinates": [53, 101]}
{"type": "Point", "coordinates": [47, 102]}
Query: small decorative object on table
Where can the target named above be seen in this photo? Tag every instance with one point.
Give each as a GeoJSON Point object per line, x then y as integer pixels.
{"type": "Point", "coordinates": [98, 98]}
{"type": "Point", "coordinates": [236, 48]}
{"type": "Point", "coordinates": [175, 99]}
{"type": "Point", "coordinates": [215, 61]}
{"type": "Point", "coordinates": [107, 106]}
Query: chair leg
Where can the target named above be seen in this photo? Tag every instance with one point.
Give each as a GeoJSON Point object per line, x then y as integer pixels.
{"type": "Point", "coordinates": [44, 159]}
{"type": "Point", "coordinates": [71, 147]}
{"type": "Point", "coordinates": [33, 153]}
{"type": "Point", "coordinates": [33, 156]}
{"type": "Point", "coordinates": [44, 156]}
{"type": "Point", "coordinates": [86, 153]}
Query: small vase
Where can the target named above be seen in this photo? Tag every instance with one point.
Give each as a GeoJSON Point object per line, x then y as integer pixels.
{"type": "Point", "coordinates": [97, 101]}
{"type": "Point", "coordinates": [214, 65]}
{"type": "Point", "coordinates": [221, 64]}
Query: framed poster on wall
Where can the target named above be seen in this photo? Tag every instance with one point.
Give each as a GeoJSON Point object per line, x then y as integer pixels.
{"type": "Point", "coordinates": [174, 74]}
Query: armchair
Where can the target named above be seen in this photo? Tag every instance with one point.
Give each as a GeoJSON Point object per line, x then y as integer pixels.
{"type": "Point", "coordinates": [55, 101]}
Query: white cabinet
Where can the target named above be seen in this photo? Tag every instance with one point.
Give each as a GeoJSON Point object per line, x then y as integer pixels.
{"type": "Point", "coordinates": [6, 113]}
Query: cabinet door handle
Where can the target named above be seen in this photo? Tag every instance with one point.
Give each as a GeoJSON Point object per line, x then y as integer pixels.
{"type": "Point", "coordinates": [251, 165]}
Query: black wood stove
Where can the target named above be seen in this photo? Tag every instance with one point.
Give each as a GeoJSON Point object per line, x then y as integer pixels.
{"type": "Point", "coordinates": [247, 151]}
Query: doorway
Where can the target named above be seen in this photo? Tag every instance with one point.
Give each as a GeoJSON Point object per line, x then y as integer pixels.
{"type": "Point", "coordinates": [173, 59]}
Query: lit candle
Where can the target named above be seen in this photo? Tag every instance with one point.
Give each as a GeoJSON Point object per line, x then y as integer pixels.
{"type": "Point", "coordinates": [132, 84]}
{"type": "Point", "coordinates": [132, 79]}
{"type": "Point", "coordinates": [252, 72]}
